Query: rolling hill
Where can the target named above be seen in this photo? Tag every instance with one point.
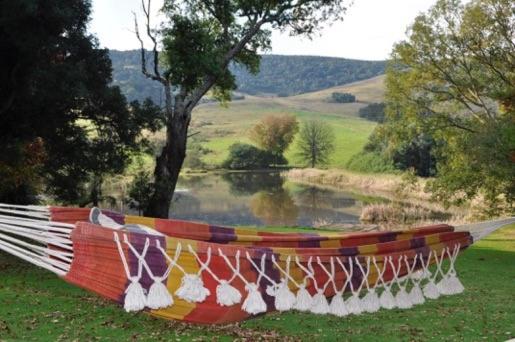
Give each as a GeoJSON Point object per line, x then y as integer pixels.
{"type": "Point", "coordinates": [279, 75]}
{"type": "Point", "coordinates": [218, 127]}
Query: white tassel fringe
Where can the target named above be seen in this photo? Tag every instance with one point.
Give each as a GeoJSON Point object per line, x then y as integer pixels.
{"type": "Point", "coordinates": [192, 289]}
{"type": "Point", "coordinates": [226, 294]}
{"type": "Point", "coordinates": [134, 297]}
{"type": "Point", "coordinates": [158, 296]}
{"type": "Point", "coordinates": [254, 303]}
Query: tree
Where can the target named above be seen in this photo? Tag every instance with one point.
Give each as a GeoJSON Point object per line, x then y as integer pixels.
{"type": "Point", "coordinates": [373, 112]}
{"type": "Point", "coordinates": [56, 96]}
{"type": "Point", "coordinates": [275, 133]}
{"type": "Point", "coordinates": [199, 40]}
{"type": "Point", "coordinates": [249, 157]}
{"type": "Point", "coordinates": [343, 98]}
{"type": "Point", "coordinates": [316, 143]}
{"type": "Point", "coordinates": [453, 79]}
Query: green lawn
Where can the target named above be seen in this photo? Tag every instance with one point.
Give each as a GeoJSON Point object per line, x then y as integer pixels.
{"type": "Point", "coordinates": [35, 305]}
{"type": "Point", "coordinates": [351, 134]}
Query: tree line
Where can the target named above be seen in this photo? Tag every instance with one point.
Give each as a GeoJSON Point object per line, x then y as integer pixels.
{"type": "Point", "coordinates": [278, 75]}
{"type": "Point", "coordinates": [450, 104]}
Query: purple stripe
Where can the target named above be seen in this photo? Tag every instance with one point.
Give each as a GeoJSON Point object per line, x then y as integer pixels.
{"type": "Point", "coordinates": [348, 251]}
{"type": "Point", "coordinates": [155, 260]}
{"type": "Point", "coordinates": [386, 237]}
{"type": "Point", "coordinates": [222, 234]}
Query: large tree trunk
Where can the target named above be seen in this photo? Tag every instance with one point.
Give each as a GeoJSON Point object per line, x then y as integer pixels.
{"type": "Point", "coordinates": [169, 162]}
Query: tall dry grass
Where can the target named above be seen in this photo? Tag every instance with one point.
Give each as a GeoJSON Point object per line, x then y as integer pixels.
{"type": "Point", "coordinates": [409, 203]}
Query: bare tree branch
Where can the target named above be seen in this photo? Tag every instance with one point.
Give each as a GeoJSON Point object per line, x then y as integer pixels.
{"type": "Point", "coordinates": [146, 11]}
{"type": "Point", "coordinates": [155, 77]}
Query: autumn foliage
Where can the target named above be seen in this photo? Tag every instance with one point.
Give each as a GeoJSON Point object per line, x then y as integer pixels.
{"type": "Point", "coordinates": [274, 133]}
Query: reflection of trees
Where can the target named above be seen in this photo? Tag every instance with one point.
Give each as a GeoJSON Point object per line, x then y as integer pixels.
{"type": "Point", "coordinates": [275, 208]}
{"type": "Point", "coordinates": [194, 182]}
{"type": "Point", "coordinates": [248, 183]}
{"type": "Point", "coordinates": [185, 203]}
{"type": "Point", "coordinates": [317, 198]}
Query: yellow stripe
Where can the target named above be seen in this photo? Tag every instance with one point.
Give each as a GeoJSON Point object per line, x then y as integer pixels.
{"type": "Point", "coordinates": [145, 221]}
{"type": "Point", "coordinates": [368, 249]}
{"type": "Point", "coordinates": [181, 308]}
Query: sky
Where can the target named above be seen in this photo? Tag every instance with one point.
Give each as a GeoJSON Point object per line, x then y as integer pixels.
{"type": "Point", "coordinates": [368, 31]}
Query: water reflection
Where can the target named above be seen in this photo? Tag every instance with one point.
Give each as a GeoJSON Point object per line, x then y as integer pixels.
{"type": "Point", "coordinates": [261, 198]}
{"type": "Point", "coordinates": [275, 208]}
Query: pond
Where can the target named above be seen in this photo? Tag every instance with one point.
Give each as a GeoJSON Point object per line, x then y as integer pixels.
{"type": "Point", "coordinates": [262, 198]}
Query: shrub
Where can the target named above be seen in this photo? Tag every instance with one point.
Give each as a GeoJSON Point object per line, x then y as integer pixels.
{"type": "Point", "coordinates": [373, 112]}
{"type": "Point", "coordinates": [140, 191]}
{"type": "Point", "coordinates": [343, 98]}
{"type": "Point", "coordinates": [371, 162]}
{"type": "Point", "coordinates": [249, 157]}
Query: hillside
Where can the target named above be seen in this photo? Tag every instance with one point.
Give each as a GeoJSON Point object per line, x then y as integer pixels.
{"type": "Point", "coordinates": [218, 127]}
{"type": "Point", "coordinates": [279, 75]}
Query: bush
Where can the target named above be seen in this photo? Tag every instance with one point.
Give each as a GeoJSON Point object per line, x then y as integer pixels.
{"type": "Point", "coordinates": [140, 191]}
{"type": "Point", "coordinates": [371, 162]}
{"type": "Point", "coordinates": [194, 155]}
{"type": "Point", "coordinates": [249, 157]}
{"type": "Point", "coordinates": [373, 112]}
{"type": "Point", "coordinates": [343, 98]}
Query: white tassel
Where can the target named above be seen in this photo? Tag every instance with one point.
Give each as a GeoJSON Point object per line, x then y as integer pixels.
{"type": "Point", "coordinates": [304, 301]}
{"type": "Point", "coordinates": [192, 289]}
{"type": "Point", "coordinates": [371, 302]}
{"type": "Point", "coordinates": [415, 295]}
{"type": "Point", "coordinates": [455, 285]}
{"type": "Point", "coordinates": [284, 298]}
{"type": "Point", "coordinates": [421, 274]}
{"type": "Point", "coordinates": [402, 299]}
{"type": "Point", "coordinates": [443, 286]}
{"type": "Point", "coordinates": [320, 305]}
{"type": "Point", "coordinates": [386, 299]}
{"type": "Point", "coordinates": [254, 303]}
{"type": "Point", "coordinates": [158, 296]}
{"type": "Point", "coordinates": [354, 304]}
{"type": "Point", "coordinates": [226, 294]}
{"type": "Point", "coordinates": [430, 290]}
{"type": "Point", "coordinates": [337, 306]}
{"type": "Point", "coordinates": [134, 297]}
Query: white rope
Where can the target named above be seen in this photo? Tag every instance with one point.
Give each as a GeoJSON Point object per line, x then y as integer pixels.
{"type": "Point", "coordinates": [6, 248]}
{"type": "Point", "coordinates": [287, 272]}
{"type": "Point", "coordinates": [386, 298]}
{"type": "Point", "coordinates": [24, 213]}
{"type": "Point", "coordinates": [401, 297]}
{"type": "Point", "coordinates": [55, 253]}
{"type": "Point", "coordinates": [254, 303]}
{"type": "Point", "coordinates": [430, 290]}
{"type": "Point", "coordinates": [36, 257]}
{"type": "Point", "coordinates": [135, 299]}
{"type": "Point", "coordinates": [416, 295]}
{"type": "Point", "coordinates": [30, 207]}
{"type": "Point", "coordinates": [42, 237]}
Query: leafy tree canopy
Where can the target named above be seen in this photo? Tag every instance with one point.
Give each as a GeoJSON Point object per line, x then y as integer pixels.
{"type": "Point", "coordinates": [55, 94]}
{"type": "Point", "coordinates": [275, 133]}
{"type": "Point", "coordinates": [454, 79]}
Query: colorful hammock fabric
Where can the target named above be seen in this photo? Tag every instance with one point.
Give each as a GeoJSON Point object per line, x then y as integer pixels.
{"type": "Point", "coordinates": [203, 273]}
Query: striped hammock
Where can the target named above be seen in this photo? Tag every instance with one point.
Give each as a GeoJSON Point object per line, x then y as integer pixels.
{"type": "Point", "coordinates": [203, 273]}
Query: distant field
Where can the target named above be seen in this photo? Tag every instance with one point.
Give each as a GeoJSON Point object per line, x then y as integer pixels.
{"type": "Point", "coordinates": [219, 127]}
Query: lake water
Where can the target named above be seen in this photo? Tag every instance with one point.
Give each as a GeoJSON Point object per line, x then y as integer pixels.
{"type": "Point", "coordinates": [262, 198]}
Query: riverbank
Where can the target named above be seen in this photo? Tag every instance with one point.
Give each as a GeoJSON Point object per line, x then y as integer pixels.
{"type": "Point", "coordinates": [409, 202]}
{"type": "Point", "coordinates": [37, 305]}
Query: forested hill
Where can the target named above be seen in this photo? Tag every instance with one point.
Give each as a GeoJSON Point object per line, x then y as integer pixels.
{"type": "Point", "coordinates": [279, 75]}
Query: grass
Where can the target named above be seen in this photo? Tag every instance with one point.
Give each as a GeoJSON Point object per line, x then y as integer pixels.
{"type": "Point", "coordinates": [217, 127]}
{"type": "Point", "coordinates": [35, 305]}
{"type": "Point", "coordinates": [232, 126]}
